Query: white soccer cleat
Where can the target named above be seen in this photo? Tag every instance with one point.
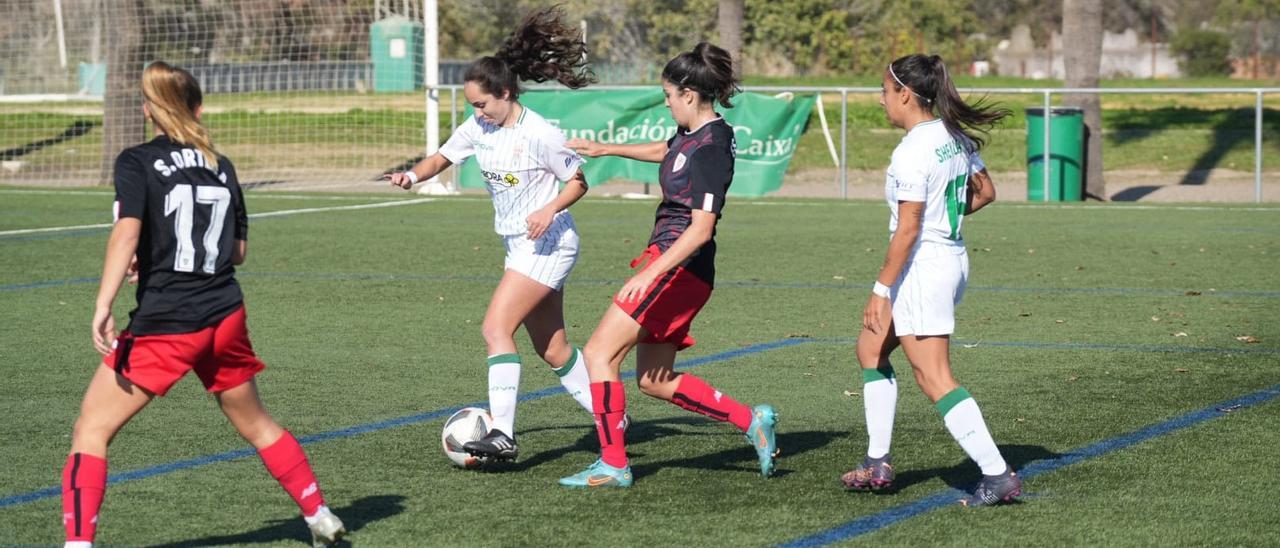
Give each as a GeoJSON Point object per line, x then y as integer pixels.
{"type": "Point", "coordinates": [326, 528]}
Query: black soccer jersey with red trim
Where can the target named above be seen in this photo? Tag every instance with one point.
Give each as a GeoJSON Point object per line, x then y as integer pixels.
{"type": "Point", "coordinates": [191, 218]}
{"type": "Point", "coordinates": [695, 174]}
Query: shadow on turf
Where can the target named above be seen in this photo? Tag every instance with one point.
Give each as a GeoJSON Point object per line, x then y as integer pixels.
{"type": "Point", "coordinates": [1230, 129]}
{"type": "Point", "coordinates": [964, 475]}
{"type": "Point", "coordinates": [741, 458]}
{"type": "Point", "coordinates": [355, 516]}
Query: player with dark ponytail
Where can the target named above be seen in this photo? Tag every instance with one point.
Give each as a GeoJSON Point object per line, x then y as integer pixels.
{"type": "Point", "coordinates": [935, 179]}
{"type": "Point", "coordinates": [655, 308]}
{"type": "Point", "coordinates": [524, 160]}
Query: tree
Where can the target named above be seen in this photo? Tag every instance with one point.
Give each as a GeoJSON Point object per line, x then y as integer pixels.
{"type": "Point", "coordinates": [1082, 27]}
{"type": "Point", "coordinates": [1203, 52]}
{"type": "Point", "coordinates": [122, 123]}
{"type": "Point", "coordinates": [1252, 15]}
{"type": "Point", "coordinates": [730, 29]}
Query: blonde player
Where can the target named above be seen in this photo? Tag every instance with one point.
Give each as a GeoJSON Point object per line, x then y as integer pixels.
{"type": "Point", "coordinates": [180, 214]}
{"type": "Point", "coordinates": [524, 160]}
{"type": "Point", "coordinates": [935, 178]}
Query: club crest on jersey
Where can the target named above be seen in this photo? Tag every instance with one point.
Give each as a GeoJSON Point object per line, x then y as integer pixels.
{"type": "Point", "coordinates": [679, 163]}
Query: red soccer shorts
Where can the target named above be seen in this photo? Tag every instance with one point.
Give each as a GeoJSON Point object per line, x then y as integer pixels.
{"type": "Point", "coordinates": [220, 355]}
{"type": "Point", "coordinates": [667, 308]}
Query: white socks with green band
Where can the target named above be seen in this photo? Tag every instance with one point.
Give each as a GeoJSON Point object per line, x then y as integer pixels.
{"type": "Point", "coordinates": [574, 379]}
{"type": "Point", "coordinates": [880, 400]}
{"type": "Point", "coordinates": [504, 388]}
{"type": "Point", "coordinates": [964, 421]}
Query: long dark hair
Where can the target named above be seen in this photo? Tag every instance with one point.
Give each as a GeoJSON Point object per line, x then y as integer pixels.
{"type": "Point", "coordinates": [542, 48]}
{"type": "Point", "coordinates": [927, 78]}
{"type": "Point", "coordinates": [707, 69]}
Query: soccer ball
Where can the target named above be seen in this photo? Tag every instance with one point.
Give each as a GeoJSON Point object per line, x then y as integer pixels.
{"type": "Point", "coordinates": [468, 424]}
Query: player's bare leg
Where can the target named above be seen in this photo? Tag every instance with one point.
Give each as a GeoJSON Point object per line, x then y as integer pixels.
{"type": "Point", "coordinates": [283, 457]}
{"type": "Point", "coordinates": [546, 331]}
{"type": "Point", "coordinates": [931, 363]}
{"type": "Point", "coordinates": [109, 402]}
{"type": "Point", "coordinates": [514, 300]}
{"type": "Point", "coordinates": [880, 399]}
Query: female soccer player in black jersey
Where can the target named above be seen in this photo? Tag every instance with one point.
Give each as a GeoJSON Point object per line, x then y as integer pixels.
{"type": "Point", "coordinates": [180, 211]}
{"type": "Point", "coordinates": [655, 308]}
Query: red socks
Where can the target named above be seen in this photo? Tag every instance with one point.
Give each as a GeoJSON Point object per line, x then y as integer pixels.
{"type": "Point", "coordinates": [609, 403]}
{"type": "Point", "coordinates": [288, 464]}
{"type": "Point", "coordinates": [84, 480]}
{"type": "Point", "coordinates": [696, 395]}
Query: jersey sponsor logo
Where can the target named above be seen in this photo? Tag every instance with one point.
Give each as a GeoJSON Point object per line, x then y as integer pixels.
{"type": "Point", "coordinates": [495, 178]}
{"type": "Point", "coordinates": [679, 163]}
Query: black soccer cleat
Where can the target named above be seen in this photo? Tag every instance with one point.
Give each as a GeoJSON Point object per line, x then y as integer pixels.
{"type": "Point", "coordinates": [495, 445]}
{"type": "Point", "coordinates": [993, 490]}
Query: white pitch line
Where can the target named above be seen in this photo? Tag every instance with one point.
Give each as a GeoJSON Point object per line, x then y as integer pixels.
{"type": "Point", "coordinates": [279, 213]}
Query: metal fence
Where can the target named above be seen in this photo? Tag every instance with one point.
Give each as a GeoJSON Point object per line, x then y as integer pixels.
{"type": "Point", "coordinates": [1047, 93]}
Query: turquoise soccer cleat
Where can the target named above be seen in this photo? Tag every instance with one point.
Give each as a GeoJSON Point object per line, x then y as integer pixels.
{"type": "Point", "coordinates": [761, 436]}
{"type": "Point", "coordinates": [599, 474]}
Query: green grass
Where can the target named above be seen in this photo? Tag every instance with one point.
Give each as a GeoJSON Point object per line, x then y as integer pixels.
{"type": "Point", "coordinates": [1172, 134]}
{"type": "Point", "coordinates": [370, 315]}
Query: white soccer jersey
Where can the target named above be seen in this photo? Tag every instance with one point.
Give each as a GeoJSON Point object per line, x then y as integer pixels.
{"type": "Point", "coordinates": [523, 165]}
{"type": "Point", "coordinates": [932, 166]}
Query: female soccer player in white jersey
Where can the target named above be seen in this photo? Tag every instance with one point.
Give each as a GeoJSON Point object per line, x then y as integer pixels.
{"type": "Point", "coordinates": [655, 308]}
{"type": "Point", "coordinates": [935, 179]}
{"type": "Point", "coordinates": [180, 211]}
{"type": "Point", "coordinates": [524, 159]}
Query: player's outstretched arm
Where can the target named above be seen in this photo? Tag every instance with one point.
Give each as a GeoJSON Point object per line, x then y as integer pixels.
{"type": "Point", "coordinates": [121, 246]}
{"type": "Point", "coordinates": [981, 192]}
{"type": "Point", "coordinates": [429, 167]}
{"type": "Point", "coordinates": [645, 152]}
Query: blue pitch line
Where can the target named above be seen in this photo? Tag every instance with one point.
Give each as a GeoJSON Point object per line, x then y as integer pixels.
{"type": "Point", "coordinates": [364, 277]}
{"type": "Point", "coordinates": [157, 470]}
{"type": "Point", "coordinates": [948, 497]}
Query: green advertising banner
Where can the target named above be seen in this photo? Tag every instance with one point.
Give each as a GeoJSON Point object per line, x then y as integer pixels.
{"type": "Point", "coordinates": [767, 130]}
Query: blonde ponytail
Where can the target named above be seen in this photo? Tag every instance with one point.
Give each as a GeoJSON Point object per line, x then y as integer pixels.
{"type": "Point", "coordinates": [172, 97]}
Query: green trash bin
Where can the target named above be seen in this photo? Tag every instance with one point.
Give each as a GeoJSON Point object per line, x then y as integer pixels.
{"type": "Point", "coordinates": [1066, 154]}
{"type": "Point", "coordinates": [93, 79]}
{"type": "Point", "coordinates": [395, 44]}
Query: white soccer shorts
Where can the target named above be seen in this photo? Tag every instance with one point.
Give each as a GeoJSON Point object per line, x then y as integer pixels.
{"type": "Point", "coordinates": [926, 295]}
{"type": "Point", "coordinates": [549, 259]}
